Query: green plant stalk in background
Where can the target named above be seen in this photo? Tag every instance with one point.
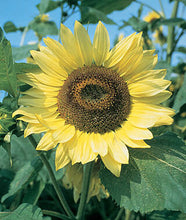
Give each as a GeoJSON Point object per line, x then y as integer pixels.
{"type": "Point", "coordinates": [53, 179]}
{"type": "Point", "coordinates": [171, 33]}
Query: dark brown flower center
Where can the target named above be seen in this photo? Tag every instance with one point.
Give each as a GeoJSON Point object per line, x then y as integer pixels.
{"type": "Point", "coordinates": [94, 99]}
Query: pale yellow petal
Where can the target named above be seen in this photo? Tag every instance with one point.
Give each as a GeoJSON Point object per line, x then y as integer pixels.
{"type": "Point", "coordinates": [156, 99]}
{"type": "Point", "coordinates": [119, 51]}
{"type": "Point", "coordinates": [98, 144]}
{"type": "Point", "coordinates": [48, 65]}
{"type": "Point", "coordinates": [34, 128]}
{"type": "Point", "coordinates": [80, 150]}
{"type": "Point", "coordinates": [147, 88]}
{"type": "Point", "coordinates": [30, 79]}
{"type": "Point", "coordinates": [37, 102]}
{"type": "Point", "coordinates": [31, 111]}
{"type": "Point", "coordinates": [66, 59]}
{"type": "Point", "coordinates": [164, 120]}
{"type": "Point", "coordinates": [37, 93]}
{"type": "Point", "coordinates": [27, 119]}
{"type": "Point", "coordinates": [87, 152]}
{"type": "Point", "coordinates": [70, 44]}
{"type": "Point", "coordinates": [118, 150]}
{"type": "Point", "coordinates": [47, 142]}
{"type": "Point", "coordinates": [146, 75]}
{"type": "Point", "coordinates": [64, 133]}
{"type": "Point", "coordinates": [84, 43]}
{"type": "Point", "coordinates": [130, 142]}
{"type": "Point", "coordinates": [148, 61]}
{"type": "Point", "coordinates": [129, 62]}
{"type": "Point", "coordinates": [136, 133]}
{"type": "Point", "coordinates": [148, 115]}
{"type": "Point", "coordinates": [61, 158]}
{"type": "Point", "coordinates": [45, 79]}
{"type": "Point", "coordinates": [112, 165]}
{"type": "Point", "coordinates": [50, 123]}
{"type": "Point", "coordinates": [101, 44]}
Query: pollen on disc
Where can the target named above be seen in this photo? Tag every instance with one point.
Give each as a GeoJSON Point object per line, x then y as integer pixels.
{"type": "Point", "coordinates": [94, 99]}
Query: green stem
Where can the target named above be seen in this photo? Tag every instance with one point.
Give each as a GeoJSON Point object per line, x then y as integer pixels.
{"type": "Point", "coordinates": [176, 41]}
{"type": "Point", "coordinates": [127, 214]}
{"type": "Point", "coordinates": [61, 21]}
{"type": "Point", "coordinates": [148, 6]}
{"type": "Point", "coordinates": [87, 169]}
{"type": "Point", "coordinates": [120, 213]}
{"type": "Point", "coordinates": [55, 214]}
{"type": "Point", "coordinates": [171, 34]}
{"type": "Point", "coordinates": [53, 179]}
{"type": "Point", "coordinates": [161, 5]}
{"type": "Point", "coordinates": [23, 36]}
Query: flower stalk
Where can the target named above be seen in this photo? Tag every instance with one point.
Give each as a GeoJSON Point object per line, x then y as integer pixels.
{"type": "Point", "coordinates": [53, 179]}
{"type": "Point", "coordinates": [87, 170]}
{"type": "Point", "coordinates": [171, 34]}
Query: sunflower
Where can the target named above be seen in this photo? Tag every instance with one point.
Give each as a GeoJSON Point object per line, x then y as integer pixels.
{"type": "Point", "coordinates": [93, 102]}
{"type": "Point", "coordinates": [151, 16]}
{"type": "Point", "coordinates": [73, 178]}
{"type": "Point", "coordinates": [159, 36]}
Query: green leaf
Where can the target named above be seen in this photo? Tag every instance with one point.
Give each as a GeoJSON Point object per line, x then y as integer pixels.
{"type": "Point", "coordinates": [171, 21]}
{"type": "Point", "coordinates": [92, 15]}
{"type": "Point", "coordinates": [168, 22]}
{"type": "Point", "coordinates": [137, 24]}
{"type": "Point", "coordinates": [1, 35]}
{"type": "Point", "coordinates": [181, 96]}
{"type": "Point", "coordinates": [7, 124]}
{"type": "Point", "coordinates": [10, 27]}
{"type": "Point", "coordinates": [7, 148]}
{"type": "Point", "coordinates": [106, 6]}
{"type": "Point", "coordinates": [181, 49]}
{"type": "Point", "coordinates": [184, 1]}
{"type": "Point", "coordinates": [164, 65]}
{"type": "Point", "coordinates": [24, 211]}
{"type": "Point", "coordinates": [140, 10]}
{"type": "Point", "coordinates": [180, 68]}
{"type": "Point", "coordinates": [22, 152]}
{"type": "Point", "coordinates": [50, 6]}
{"type": "Point", "coordinates": [34, 192]}
{"type": "Point", "coordinates": [43, 6]}
{"type": "Point", "coordinates": [10, 104]}
{"type": "Point", "coordinates": [166, 215]}
{"type": "Point", "coordinates": [6, 120]}
{"type": "Point", "coordinates": [23, 177]}
{"type": "Point", "coordinates": [8, 80]}
{"type": "Point", "coordinates": [44, 28]}
{"type": "Point", "coordinates": [154, 179]}
{"type": "Point", "coordinates": [20, 53]}
{"type": "Point", "coordinates": [26, 67]}
{"type": "Point", "coordinates": [6, 177]}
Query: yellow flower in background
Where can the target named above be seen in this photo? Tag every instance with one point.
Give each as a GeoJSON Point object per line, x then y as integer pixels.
{"type": "Point", "coordinates": [92, 101]}
{"type": "Point", "coordinates": [120, 37]}
{"type": "Point", "coordinates": [151, 16]}
{"type": "Point", "coordinates": [44, 17]}
{"type": "Point", "coordinates": [73, 179]}
{"type": "Point", "coordinates": [30, 60]}
{"type": "Point", "coordinates": [159, 36]}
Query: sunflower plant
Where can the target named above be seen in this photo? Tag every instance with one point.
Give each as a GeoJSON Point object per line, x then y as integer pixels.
{"type": "Point", "coordinates": [90, 129]}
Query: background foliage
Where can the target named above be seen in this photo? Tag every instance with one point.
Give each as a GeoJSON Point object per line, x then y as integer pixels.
{"type": "Point", "coordinates": [152, 186]}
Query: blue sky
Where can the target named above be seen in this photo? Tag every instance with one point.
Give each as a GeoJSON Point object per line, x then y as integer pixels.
{"type": "Point", "coordinates": [21, 12]}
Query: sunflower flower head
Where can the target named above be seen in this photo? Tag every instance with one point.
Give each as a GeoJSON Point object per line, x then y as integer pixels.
{"type": "Point", "coordinates": [43, 17]}
{"type": "Point", "coordinates": [91, 101]}
{"type": "Point", "coordinates": [159, 36]}
{"type": "Point", "coordinates": [151, 16]}
{"type": "Point", "coordinates": [73, 180]}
